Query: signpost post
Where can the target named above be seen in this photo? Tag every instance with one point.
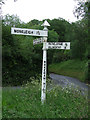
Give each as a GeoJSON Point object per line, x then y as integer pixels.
{"type": "Point", "coordinates": [44, 66]}
{"type": "Point", "coordinates": [46, 46]}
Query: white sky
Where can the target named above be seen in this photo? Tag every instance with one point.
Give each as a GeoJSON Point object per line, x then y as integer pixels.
{"type": "Point", "coordinates": [40, 9]}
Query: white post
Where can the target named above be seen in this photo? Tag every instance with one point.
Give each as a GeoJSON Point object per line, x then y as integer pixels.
{"type": "Point", "coordinates": [44, 72]}
{"type": "Point", "coordinates": [44, 66]}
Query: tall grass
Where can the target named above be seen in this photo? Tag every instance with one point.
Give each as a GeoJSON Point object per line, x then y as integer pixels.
{"type": "Point", "coordinates": [60, 103]}
{"type": "Point", "coordinates": [0, 103]}
{"type": "Point", "coordinates": [72, 68]}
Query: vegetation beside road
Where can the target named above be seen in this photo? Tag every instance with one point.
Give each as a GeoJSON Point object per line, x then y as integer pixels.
{"type": "Point", "coordinates": [60, 103]}
{"type": "Point", "coordinates": [72, 68]}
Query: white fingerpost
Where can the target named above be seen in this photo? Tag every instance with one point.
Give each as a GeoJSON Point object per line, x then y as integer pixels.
{"type": "Point", "coordinates": [46, 46]}
{"type": "Point", "coordinates": [44, 65]}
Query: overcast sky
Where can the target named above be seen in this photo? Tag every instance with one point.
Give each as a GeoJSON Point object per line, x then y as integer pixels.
{"type": "Point", "coordinates": [40, 9]}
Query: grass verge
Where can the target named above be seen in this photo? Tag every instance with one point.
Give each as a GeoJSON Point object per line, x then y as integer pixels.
{"type": "Point", "coordinates": [60, 103]}
{"type": "Point", "coordinates": [72, 68]}
{"type": "Point", "coordinates": [0, 103]}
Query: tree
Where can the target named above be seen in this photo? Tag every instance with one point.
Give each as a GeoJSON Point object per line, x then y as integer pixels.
{"type": "Point", "coordinates": [81, 10]}
{"type": "Point", "coordinates": [12, 20]}
{"type": "Point", "coordinates": [21, 59]}
{"type": "Point", "coordinates": [35, 22]}
{"type": "Point", "coordinates": [79, 40]}
{"type": "Point", "coordinates": [58, 25]}
{"type": "Point", "coordinates": [17, 54]}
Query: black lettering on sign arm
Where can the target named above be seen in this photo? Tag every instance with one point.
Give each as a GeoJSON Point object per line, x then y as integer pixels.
{"type": "Point", "coordinates": [65, 44]}
{"type": "Point", "coordinates": [32, 32]}
{"type": "Point", "coordinates": [38, 32]}
{"type": "Point", "coordinates": [25, 32]}
{"type": "Point", "coordinates": [28, 32]}
{"type": "Point", "coordinates": [53, 47]}
{"type": "Point", "coordinates": [15, 30]}
{"type": "Point", "coordinates": [53, 43]}
{"type": "Point", "coordinates": [44, 90]}
{"type": "Point", "coordinates": [65, 47]}
{"type": "Point", "coordinates": [61, 43]}
{"type": "Point", "coordinates": [49, 43]}
{"type": "Point", "coordinates": [49, 47]}
{"type": "Point", "coordinates": [44, 61]}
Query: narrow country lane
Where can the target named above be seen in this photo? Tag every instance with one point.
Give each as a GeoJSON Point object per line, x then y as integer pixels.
{"type": "Point", "coordinates": [64, 81]}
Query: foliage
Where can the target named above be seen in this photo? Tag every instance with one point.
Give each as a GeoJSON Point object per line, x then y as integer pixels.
{"type": "Point", "coordinates": [81, 10]}
{"type": "Point", "coordinates": [12, 20]}
{"type": "Point", "coordinates": [79, 43]}
{"type": "Point", "coordinates": [0, 103]}
{"type": "Point", "coordinates": [59, 25]}
{"type": "Point", "coordinates": [22, 60]}
{"type": "Point", "coordinates": [87, 71]}
{"type": "Point", "coordinates": [72, 68]}
{"type": "Point", "coordinates": [17, 56]}
{"type": "Point", "coordinates": [35, 22]}
{"type": "Point", "coordinates": [60, 103]}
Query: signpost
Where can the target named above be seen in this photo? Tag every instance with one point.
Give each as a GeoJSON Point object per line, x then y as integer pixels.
{"type": "Point", "coordinates": [46, 46]}
{"type": "Point", "coordinates": [58, 45]}
{"type": "Point", "coordinates": [38, 41]}
{"type": "Point", "coordinates": [24, 31]}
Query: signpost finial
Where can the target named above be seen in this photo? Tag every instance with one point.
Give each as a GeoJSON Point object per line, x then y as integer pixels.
{"type": "Point", "coordinates": [45, 24]}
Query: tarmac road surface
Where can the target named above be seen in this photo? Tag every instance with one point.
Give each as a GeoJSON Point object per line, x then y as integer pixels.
{"type": "Point", "coordinates": [65, 81]}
